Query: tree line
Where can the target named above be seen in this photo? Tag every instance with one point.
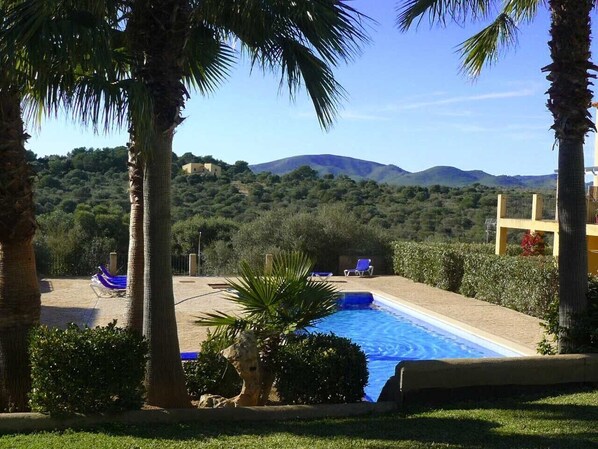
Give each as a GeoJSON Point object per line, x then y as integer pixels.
{"type": "Point", "coordinates": [83, 210]}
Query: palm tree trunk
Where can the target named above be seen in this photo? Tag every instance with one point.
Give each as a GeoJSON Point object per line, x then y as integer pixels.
{"type": "Point", "coordinates": [573, 259]}
{"type": "Point", "coordinates": [569, 102]}
{"type": "Point", "coordinates": [158, 31]}
{"type": "Point", "coordinates": [19, 289]}
{"type": "Point", "coordinates": [19, 312]}
{"type": "Point", "coordinates": [165, 378]}
{"type": "Point", "coordinates": [135, 255]}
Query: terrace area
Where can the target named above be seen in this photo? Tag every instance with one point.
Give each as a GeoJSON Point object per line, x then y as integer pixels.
{"type": "Point", "coordinates": [67, 300]}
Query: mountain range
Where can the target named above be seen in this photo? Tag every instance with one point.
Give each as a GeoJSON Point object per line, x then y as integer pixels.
{"type": "Point", "coordinates": [391, 174]}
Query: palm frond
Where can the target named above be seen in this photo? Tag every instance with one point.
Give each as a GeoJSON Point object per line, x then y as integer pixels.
{"type": "Point", "coordinates": [62, 54]}
{"type": "Point", "coordinates": [302, 39]}
{"type": "Point", "coordinates": [332, 28]}
{"type": "Point", "coordinates": [218, 319]}
{"type": "Point", "coordinates": [487, 46]}
{"type": "Point", "coordinates": [224, 324]}
{"type": "Point", "coordinates": [292, 266]}
{"type": "Point", "coordinates": [208, 59]}
{"type": "Point", "coordinates": [316, 301]}
{"type": "Point", "coordinates": [277, 303]}
{"type": "Point", "coordinates": [71, 34]}
{"type": "Point", "coordinates": [94, 100]}
{"type": "Point", "coordinates": [522, 10]}
{"type": "Point", "coordinates": [300, 67]}
{"type": "Point", "coordinates": [256, 293]}
{"type": "Point", "coordinates": [438, 11]}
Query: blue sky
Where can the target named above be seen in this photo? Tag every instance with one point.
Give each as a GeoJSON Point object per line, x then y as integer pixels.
{"type": "Point", "coordinates": [407, 105]}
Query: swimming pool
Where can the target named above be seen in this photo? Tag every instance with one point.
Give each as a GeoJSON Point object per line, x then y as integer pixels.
{"type": "Point", "coordinates": [388, 335]}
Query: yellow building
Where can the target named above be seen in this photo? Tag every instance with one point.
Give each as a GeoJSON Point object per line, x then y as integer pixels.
{"type": "Point", "coordinates": [537, 224]}
{"type": "Point", "coordinates": [198, 168]}
{"type": "Point", "coordinates": [213, 169]}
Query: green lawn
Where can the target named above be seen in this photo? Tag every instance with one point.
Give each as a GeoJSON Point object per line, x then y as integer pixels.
{"type": "Point", "coordinates": [560, 422]}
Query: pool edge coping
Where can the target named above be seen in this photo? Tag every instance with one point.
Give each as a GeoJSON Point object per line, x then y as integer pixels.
{"type": "Point", "coordinates": [494, 339]}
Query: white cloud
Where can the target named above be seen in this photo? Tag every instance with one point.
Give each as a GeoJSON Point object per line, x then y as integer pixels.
{"type": "Point", "coordinates": [469, 99]}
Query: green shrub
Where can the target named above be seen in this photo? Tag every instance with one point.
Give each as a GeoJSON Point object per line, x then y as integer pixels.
{"type": "Point", "coordinates": [475, 266]}
{"type": "Point", "coordinates": [320, 368]}
{"type": "Point", "coordinates": [439, 265]}
{"type": "Point", "coordinates": [87, 370]}
{"type": "Point", "coordinates": [526, 284]}
{"type": "Point", "coordinates": [584, 337]}
{"type": "Point", "coordinates": [211, 372]}
{"type": "Point", "coordinates": [43, 257]}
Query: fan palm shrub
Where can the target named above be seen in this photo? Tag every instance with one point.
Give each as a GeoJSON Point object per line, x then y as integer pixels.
{"type": "Point", "coordinates": [274, 306]}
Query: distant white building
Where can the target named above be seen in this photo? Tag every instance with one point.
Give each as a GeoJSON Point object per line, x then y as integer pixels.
{"type": "Point", "coordinates": [198, 168]}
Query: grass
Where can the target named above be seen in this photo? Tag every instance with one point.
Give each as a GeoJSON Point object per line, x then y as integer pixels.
{"type": "Point", "coordinates": [565, 421]}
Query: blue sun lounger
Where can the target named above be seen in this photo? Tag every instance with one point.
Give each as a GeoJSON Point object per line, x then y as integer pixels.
{"type": "Point", "coordinates": [102, 287]}
{"type": "Point", "coordinates": [189, 356]}
{"type": "Point", "coordinates": [320, 275]}
{"type": "Point", "coordinates": [114, 279]}
{"type": "Point", "coordinates": [362, 268]}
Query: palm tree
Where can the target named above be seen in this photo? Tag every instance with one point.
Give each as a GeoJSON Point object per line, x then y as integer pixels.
{"type": "Point", "coordinates": [19, 290]}
{"type": "Point", "coordinates": [302, 38]}
{"type": "Point", "coordinates": [169, 46]}
{"type": "Point", "coordinates": [206, 60]}
{"type": "Point", "coordinates": [39, 69]}
{"type": "Point", "coordinates": [273, 307]}
{"type": "Point", "coordinates": [569, 102]}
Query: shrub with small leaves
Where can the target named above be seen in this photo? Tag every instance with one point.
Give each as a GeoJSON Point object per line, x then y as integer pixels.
{"type": "Point", "coordinates": [525, 284]}
{"type": "Point", "coordinates": [582, 338]}
{"type": "Point", "coordinates": [211, 372]}
{"type": "Point", "coordinates": [436, 264]}
{"type": "Point", "coordinates": [320, 368]}
{"type": "Point", "coordinates": [87, 370]}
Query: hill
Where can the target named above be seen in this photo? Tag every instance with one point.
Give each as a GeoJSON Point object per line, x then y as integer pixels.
{"type": "Point", "coordinates": [330, 164]}
{"type": "Point", "coordinates": [358, 169]}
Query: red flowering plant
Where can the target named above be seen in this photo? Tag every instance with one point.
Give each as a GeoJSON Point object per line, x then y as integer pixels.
{"type": "Point", "coordinates": [532, 244]}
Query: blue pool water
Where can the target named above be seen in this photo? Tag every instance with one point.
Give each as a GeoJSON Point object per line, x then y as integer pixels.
{"type": "Point", "coordinates": [388, 336]}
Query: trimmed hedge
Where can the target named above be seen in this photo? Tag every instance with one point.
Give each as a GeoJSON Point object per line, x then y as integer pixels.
{"type": "Point", "coordinates": [526, 284]}
{"type": "Point", "coordinates": [437, 265]}
{"type": "Point", "coordinates": [87, 370]}
{"type": "Point", "coordinates": [320, 368]}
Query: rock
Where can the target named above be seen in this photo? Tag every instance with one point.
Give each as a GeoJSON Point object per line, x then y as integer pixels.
{"type": "Point", "coordinates": [215, 401]}
{"type": "Point", "coordinates": [244, 356]}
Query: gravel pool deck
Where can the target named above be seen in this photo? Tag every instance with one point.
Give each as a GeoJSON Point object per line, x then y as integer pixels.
{"type": "Point", "coordinates": [66, 300]}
